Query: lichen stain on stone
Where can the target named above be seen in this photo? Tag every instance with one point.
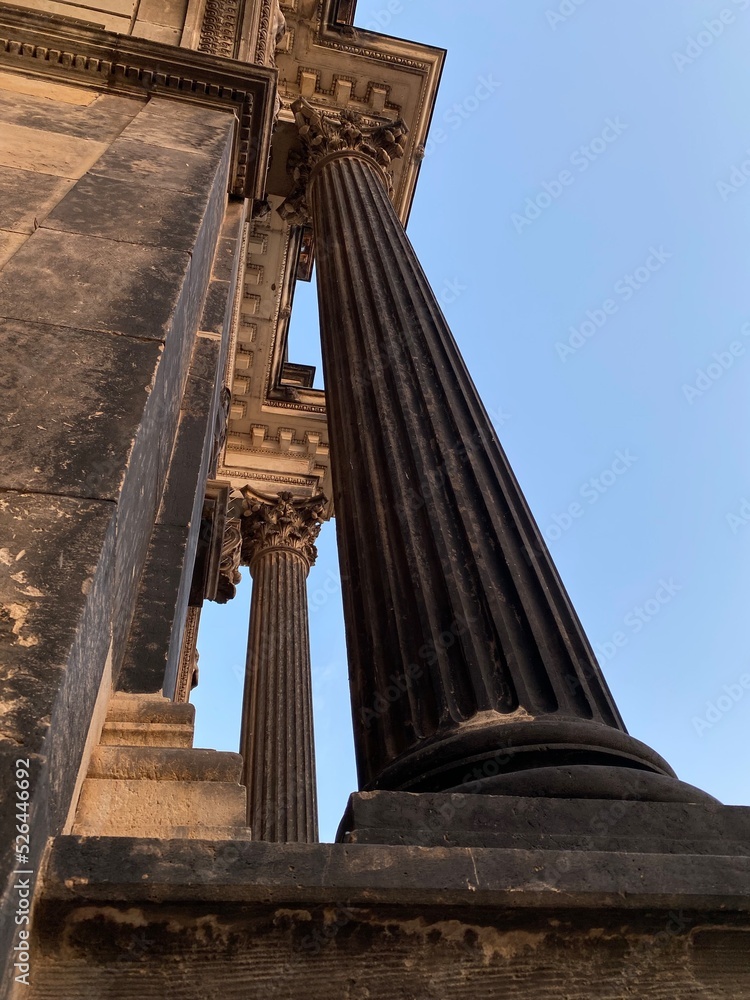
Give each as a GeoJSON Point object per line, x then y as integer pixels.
{"type": "Point", "coordinates": [292, 916]}
{"type": "Point", "coordinates": [483, 718]}
{"type": "Point", "coordinates": [492, 943]}
{"type": "Point", "coordinates": [132, 917]}
{"type": "Point", "coordinates": [75, 882]}
{"type": "Point", "coordinates": [19, 613]}
{"type": "Point", "coordinates": [208, 932]}
{"type": "Point", "coordinates": [22, 580]}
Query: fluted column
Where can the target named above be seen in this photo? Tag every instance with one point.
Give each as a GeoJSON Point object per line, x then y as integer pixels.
{"type": "Point", "coordinates": [466, 658]}
{"type": "Point", "coordinates": [277, 725]}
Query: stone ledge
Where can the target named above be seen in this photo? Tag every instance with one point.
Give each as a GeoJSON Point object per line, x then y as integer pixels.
{"type": "Point", "coordinates": [134, 870]}
{"type": "Point", "coordinates": [627, 825]}
{"type": "Point", "coordinates": [152, 763]}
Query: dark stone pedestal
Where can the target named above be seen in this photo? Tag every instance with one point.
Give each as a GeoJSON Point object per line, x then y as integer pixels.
{"type": "Point", "coordinates": [628, 825]}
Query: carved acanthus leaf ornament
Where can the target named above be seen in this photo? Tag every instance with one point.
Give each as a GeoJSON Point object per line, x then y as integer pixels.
{"type": "Point", "coordinates": [323, 135]}
{"type": "Point", "coordinates": [281, 522]}
{"type": "Point", "coordinates": [229, 569]}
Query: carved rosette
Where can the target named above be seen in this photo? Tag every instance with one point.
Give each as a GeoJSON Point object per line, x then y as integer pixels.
{"type": "Point", "coordinates": [280, 522]}
{"type": "Point", "coordinates": [325, 135]}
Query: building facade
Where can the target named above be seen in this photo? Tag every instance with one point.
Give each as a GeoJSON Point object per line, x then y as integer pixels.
{"type": "Point", "coordinates": [169, 170]}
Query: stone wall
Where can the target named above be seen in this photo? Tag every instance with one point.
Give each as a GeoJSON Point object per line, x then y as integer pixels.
{"type": "Point", "coordinates": [158, 20]}
{"type": "Point", "coordinates": [252, 921]}
{"type": "Point", "coordinates": [111, 211]}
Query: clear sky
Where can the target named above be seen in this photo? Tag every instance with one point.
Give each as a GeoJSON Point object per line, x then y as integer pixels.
{"type": "Point", "coordinates": [585, 221]}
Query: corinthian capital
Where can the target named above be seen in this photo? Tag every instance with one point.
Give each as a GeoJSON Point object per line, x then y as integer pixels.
{"type": "Point", "coordinates": [322, 135]}
{"type": "Point", "coordinates": [280, 522]}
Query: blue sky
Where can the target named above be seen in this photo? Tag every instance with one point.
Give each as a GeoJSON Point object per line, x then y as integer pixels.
{"type": "Point", "coordinates": [585, 221]}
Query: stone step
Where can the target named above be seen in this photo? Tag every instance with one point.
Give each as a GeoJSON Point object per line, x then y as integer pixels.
{"type": "Point", "coordinates": [156, 763]}
{"type": "Point", "coordinates": [137, 720]}
{"type": "Point", "coordinates": [192, 810]}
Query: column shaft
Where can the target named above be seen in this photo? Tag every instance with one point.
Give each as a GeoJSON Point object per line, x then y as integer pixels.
{"type": "Point", "coordinates": [464, 647]}
{"type": "Point", "coordinates": [277, 732]}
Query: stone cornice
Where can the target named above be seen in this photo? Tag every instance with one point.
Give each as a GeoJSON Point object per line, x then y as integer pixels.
{"type": "Point", "coordinates": [405, 74]}
{"type": "Point", "coordinates": [40, 44]}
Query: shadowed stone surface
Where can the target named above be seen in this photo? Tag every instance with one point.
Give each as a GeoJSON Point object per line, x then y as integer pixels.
{"type": "Point", "coordinates": [129, 212]}
{"type": "Point", "coordinates": [27, 197]}
{"type": "Point", "coordinates": [622, 825]}
{"type": "Point", "coordinates": [251, 921]}
{"type": "Point", "coordinates": [156, 163]}
{"type": "Point", "coordinates": [102, 120]}
{"type": "Point", "coordinates": [110, 327]}
{"type": "Point", "coordinates": [464, 649]}
{"type": "Point", "coordinates": [79, 445]}
{"type": "Point", "coordinates": [194, 130]}
{"type": "Point", "coordinates": [56, 278]}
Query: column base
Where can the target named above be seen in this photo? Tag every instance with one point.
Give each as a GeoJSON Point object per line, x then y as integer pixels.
{"type": "Point", "coordinates": [547, 756]}
{"type": "Point", "coordinates": [630, 825]}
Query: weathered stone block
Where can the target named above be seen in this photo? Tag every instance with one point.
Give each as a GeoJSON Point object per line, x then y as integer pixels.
{"type": "Point", "coordinates": [187, 128]}
{"type": "Point", "coordinates": [51, 548]}
{"type": "Point", "coordinates": [79, 444]}
{"type": "Point", "coordinates": [214, 315]}
{"type": "Point", "coordinates": [264, 921]}
{"type": "Point", "coordinates": [149, 763]}
{"type": "Point", "coordinates": [619, 824]}
{"type": "Point", "coordinates": [154, 722]}
{"type": "Point", "coordinates": [27, 197]}
{"type": "Point", "coordinates": [9, 243]}
{"type": "Point", "coordinates": [142, 808]}
{"type": "Point", "coordinates": [132, 211]}
{"type": "Point", "coordinates": [88, 15]}
{"type": "Point", "coordinates": [93, 116]}
{"type": "Point", "coordinates": [171, 12]}
{"type": "Point", "coordinates": [157, 32]}
{"type": "Point", "coordinates": [58, 278]}
{"type": "Point", "coordinates": [138, 162]}
{"type": "Point", "coordinates": [56, 599]}
{"type": "Point", "coordinates": [47, 152]}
